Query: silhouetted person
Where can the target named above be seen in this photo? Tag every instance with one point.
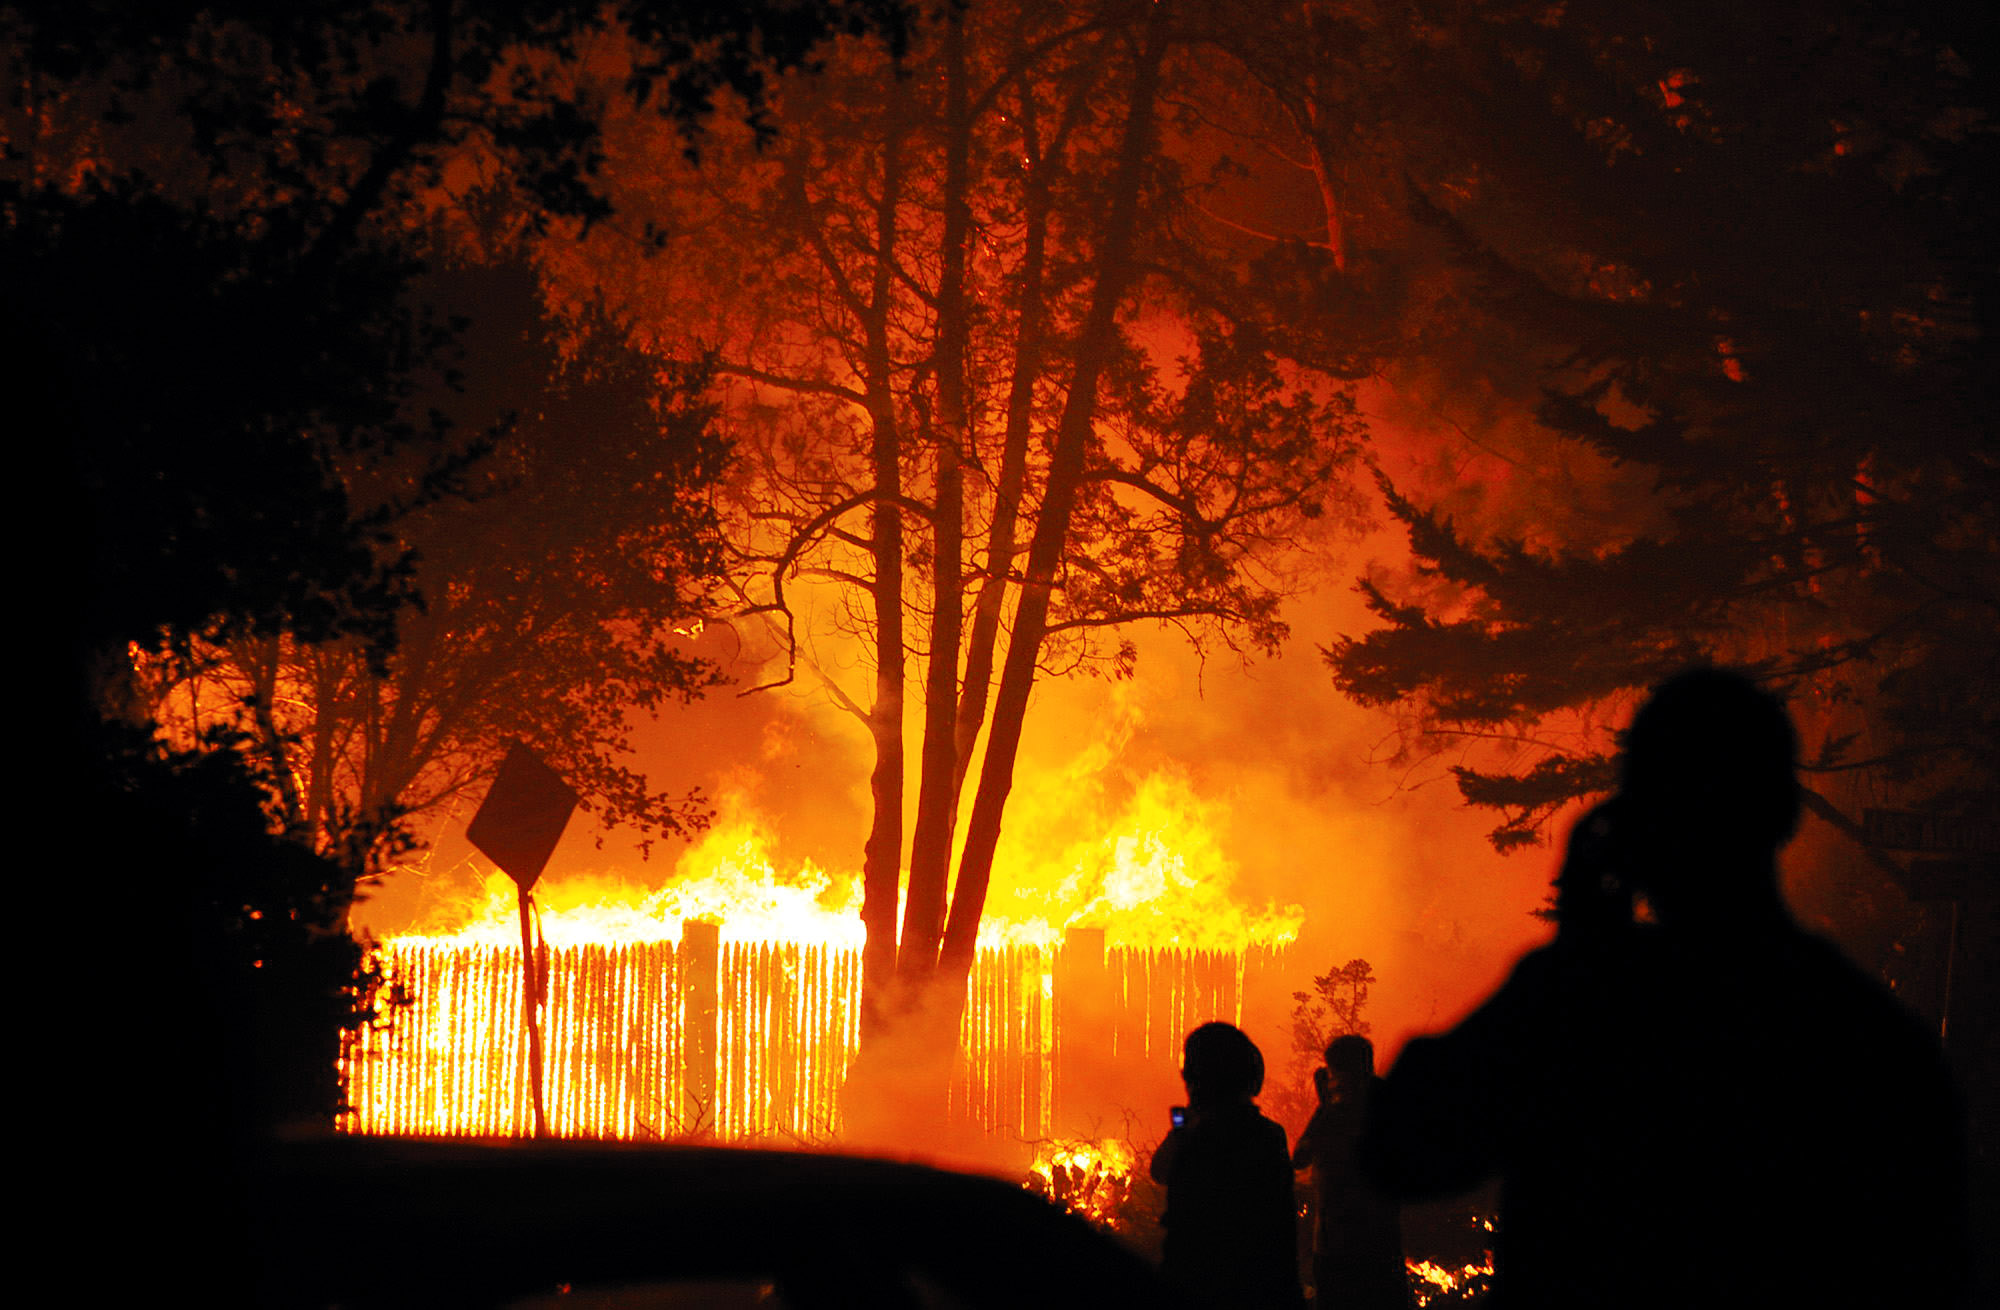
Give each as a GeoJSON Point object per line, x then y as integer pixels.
{"type": "Point", "coordinates": [1231, 1236]}
{"type": "Point", "coordinates": [1711, 1109]}
{"type": "Point", "coordinates": [1358, 1238]}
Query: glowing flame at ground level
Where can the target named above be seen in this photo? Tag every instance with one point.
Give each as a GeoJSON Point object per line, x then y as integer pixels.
{"type": "Point", "coordinates": [1090, 1178]}
{"type": "Point", "coordinates": [1430, 1281]}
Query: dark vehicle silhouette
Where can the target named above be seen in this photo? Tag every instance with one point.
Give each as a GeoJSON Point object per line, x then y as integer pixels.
{"type": "Point", "coordinates": [478, 1223]}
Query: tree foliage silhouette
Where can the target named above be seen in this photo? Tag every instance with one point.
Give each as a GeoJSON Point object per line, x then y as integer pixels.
{"type": "Point", "coordinates": [212, 223]}
{"type": "Point", "coordinates": [551, 581]}
{"type": "Point", "coordinates": [1759, 307]}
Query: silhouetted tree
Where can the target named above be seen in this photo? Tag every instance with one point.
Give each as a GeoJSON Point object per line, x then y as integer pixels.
{"type": "Point", "coordinates": [1727, 285]}
{"type": "Point", "coordinates": [1758, 307]}
{"type": "Point", "coordinates": [205, 238]}
{"type": "Point", "coordinates": [212, 227]}
{"type": "Point", "coordinates": [1000, 390]}
{"type": "Point", "coordinates": [551, 581]}
{"type": "Point", "coordinates": [211, 219]}
{"type": "Point", "coordinates": [1332, 1007]}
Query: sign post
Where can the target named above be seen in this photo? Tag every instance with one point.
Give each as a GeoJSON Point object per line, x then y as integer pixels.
{"type": "Point", "coordinates": [517, 827]}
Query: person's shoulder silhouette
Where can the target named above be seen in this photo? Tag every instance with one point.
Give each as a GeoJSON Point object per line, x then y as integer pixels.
{"type": "Point", "coordinates": [1712, 1108]}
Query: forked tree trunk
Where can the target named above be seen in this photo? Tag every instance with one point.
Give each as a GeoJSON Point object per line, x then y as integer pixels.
{"type": "Point", "coordinates": [882, 867]}
{"type": "Point", "coordinates": [901, 1075]}
{"type": "Point", "coordinates": [1094, 351]}
{"type": "Point", "coordinates": [937, 801]}
{"type": "Point", "coordinates": [898, 1082]}
{"type": "Point", "coordinates": [1001, 537]}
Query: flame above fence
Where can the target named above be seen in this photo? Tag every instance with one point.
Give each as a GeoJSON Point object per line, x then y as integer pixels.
{"type": "Point", "coordinates": [1150, 872]}
{"type": "Point", "coordinates": [726, 1002]}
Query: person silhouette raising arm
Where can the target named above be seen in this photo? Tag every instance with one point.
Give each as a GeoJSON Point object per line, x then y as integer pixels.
{"type": "Point", "coordinates": [1712, 1108]}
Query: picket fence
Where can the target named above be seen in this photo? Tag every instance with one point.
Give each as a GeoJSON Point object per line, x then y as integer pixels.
{"type": "Point", "coordinates": [751, 1041]}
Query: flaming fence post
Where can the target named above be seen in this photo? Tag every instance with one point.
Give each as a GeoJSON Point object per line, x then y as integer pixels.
{"type": "Point", "coordinates": [701, 950]}
{"type": "Point", "coordinates": [1083, 1028]}
{"type": "Point", "coordinates": [782, 1039]}
{"type": "Point", "coordinates": [1031, 1111]}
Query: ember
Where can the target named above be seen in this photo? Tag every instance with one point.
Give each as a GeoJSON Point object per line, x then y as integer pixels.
{"type": "Point", "coordinates": [1431, 1282]}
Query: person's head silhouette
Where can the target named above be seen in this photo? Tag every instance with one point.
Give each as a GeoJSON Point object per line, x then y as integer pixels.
{"type": "Point", "coordinates": [1220, 1064]}
{"type": "Point", "coordinates": [1708, 792]}
{"type": "Point", "coordinates": [1352, 1057]}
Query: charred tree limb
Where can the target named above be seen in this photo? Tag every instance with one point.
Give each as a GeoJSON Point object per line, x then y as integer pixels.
{"type": "Point", "coordinates": [802, 386]}
{"type": "Point", "coordinates": [801, 540]}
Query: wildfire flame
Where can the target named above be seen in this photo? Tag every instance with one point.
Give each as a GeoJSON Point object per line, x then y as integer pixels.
{"type": "Point", "coordinates": [1152, 875]}
{"type": "Point", "coordinates": [633, 1052]}
{"type": "Point", "coordinates": [727, 878]}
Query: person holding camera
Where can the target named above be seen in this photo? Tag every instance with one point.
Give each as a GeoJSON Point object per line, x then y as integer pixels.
{"type": "Point", "coordinates": [1690, 1101]}
{"type": "Point", "coordinates": [1231, 1236]}
{"type": "Point", "coordinates": [1357, 1231]}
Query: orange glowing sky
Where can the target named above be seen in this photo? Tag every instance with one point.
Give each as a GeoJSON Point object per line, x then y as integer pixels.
{"type": "Point", "coordinates": [1291, 783]}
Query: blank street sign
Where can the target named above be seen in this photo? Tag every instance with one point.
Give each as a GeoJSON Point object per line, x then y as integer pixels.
{"type": "Point", "coordinates": [523, 816]}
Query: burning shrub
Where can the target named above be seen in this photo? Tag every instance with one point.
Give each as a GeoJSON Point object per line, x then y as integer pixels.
{"type": "Point", "coordinates": [1089, 1178]}
{"type": "Point", "coordinates": [1100, 1179]}
{"type": "Point", "coordinates": [1450, 1250]}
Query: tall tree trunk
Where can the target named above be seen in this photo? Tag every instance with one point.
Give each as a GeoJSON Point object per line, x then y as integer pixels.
{"type": "Point", "coordinates": [1315, 128]}
{"type": "Point", "coordinates": [326, 674]}
{"type": "Point", "coordinates": [882, 865]}
{"type": "Point", "coordinates": [267, 662]}
{"type": "Point", "coordinates": [937, 800]}
{"type": "Point", "coordinates": [1051, 537]}
{"type": "Point", "coordinates": [392, 765]}
{"type": "Point", "coordinates": [1001, 537]}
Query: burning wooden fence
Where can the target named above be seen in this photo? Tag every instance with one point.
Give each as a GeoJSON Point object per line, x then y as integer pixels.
{"type": "Point", "coordinates": [751, 1041]}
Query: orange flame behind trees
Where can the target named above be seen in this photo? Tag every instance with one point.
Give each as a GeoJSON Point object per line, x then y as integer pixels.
{"type": "Point", "coordinates": [1150, 872]}
{"type": "Point", "coordinates": [945, 298]}
{"type": "Point", "coordinates": [1171, 944]}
